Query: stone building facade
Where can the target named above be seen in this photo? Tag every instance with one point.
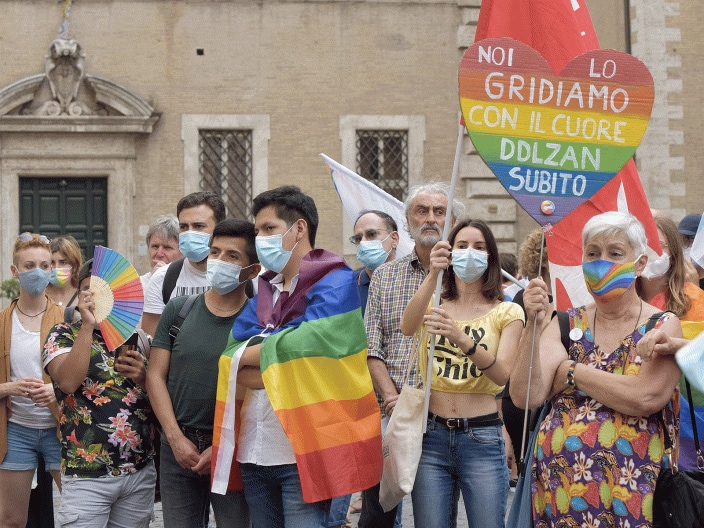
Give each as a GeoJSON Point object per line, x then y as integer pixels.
{"type": "Point", "coordinates": [143, 101]}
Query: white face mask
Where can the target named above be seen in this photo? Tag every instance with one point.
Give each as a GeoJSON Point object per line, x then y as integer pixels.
{"type": "Point", "coordinates": [657, 267]}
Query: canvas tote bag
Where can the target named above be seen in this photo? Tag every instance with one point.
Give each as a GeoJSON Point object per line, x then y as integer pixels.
{"type": "Point", "coordinates": [403, 441]}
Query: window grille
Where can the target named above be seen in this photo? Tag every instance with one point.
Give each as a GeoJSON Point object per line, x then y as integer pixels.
{"type": "Point", "coordinates": [226, 168]}
{"type": "Point", "coordinates": [382, 158]}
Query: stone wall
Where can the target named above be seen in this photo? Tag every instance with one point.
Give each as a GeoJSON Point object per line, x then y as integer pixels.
{"type": "Point", "coordinates": [304, 64]}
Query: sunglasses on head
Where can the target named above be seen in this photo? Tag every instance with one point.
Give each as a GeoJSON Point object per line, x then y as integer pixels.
{"type": "Point", "coordinates": [26, 237]}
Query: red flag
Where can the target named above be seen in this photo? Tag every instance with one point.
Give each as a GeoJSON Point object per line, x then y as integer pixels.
{"type": "Point", "coordinates": [623, 193]}
{"type": "Point", "coordinates": [561, 30]}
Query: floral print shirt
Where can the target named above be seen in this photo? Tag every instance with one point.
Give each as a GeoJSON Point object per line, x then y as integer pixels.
{"type": "Point", "coordinates": [107, 424]}
{"type": "Point", "coordinates": [593, 466]}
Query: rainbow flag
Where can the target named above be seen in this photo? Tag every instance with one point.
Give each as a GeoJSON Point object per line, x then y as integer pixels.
{"type": "Point", "coordinates": [314, 368]}
{"type": "Point", "coordinates": [224, 471]}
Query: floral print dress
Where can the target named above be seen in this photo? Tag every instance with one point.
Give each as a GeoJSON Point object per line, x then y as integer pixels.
{"type": "Point", "coordinates": [107, 425]}
{"type": "Point", "coordinates": [593, 466]}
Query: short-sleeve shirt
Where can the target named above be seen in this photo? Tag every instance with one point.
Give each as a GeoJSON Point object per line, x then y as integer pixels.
{"type": "Point", "coordinates": [193, 367]}
{"type": "Point", "coordinates": [107, 424]}
{"type": "Point", "coordinates": [454, 371]}
{"type": "Point", "coordinates": [392, 286]}
{"type": "Point", "coordinates": [190, 281]}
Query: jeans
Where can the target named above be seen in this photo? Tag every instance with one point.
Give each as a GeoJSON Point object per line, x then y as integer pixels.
{"type": "Point", "coordinates": [471, 459]}
{"type": "Point", "coordinates": [126, 501]}
{"type": "Point", "coordinates": [275, 498]}
{"type": "Point", "coordinates": [338, 511]}
{"type": "Point", "coordinates": [186, 496]}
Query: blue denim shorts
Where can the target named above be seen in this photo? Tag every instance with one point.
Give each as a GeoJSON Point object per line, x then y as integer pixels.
{"type": "Point", "coordinates": [23, 445]}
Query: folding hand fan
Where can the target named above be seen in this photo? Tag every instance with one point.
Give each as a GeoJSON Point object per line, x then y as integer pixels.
{"type": "Point", "coordinates": [118, 296]}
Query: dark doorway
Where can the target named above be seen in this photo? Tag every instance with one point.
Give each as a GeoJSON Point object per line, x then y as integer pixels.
{"type": "Point", "coordinates": [66, 206]}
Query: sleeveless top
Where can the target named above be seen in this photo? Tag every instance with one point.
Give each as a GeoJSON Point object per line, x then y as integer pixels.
{"type": "Point", "coordinates": [594, 466]}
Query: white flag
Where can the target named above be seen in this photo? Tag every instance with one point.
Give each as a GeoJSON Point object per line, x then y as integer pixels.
{"type": "Point", "coordinates": [358, 194]}
{"type": "Point", "coordinates": [697, 251]}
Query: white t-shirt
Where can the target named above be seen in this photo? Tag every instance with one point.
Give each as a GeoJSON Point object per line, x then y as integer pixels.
{"type": "Point", "coordinates": [189, 282]}
{"type": "Point", "coordinates": [26, 362]}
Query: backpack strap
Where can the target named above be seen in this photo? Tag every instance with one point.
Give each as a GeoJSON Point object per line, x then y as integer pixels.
{"type": "Point", "coordinates": [175, 327]}
{"type": "Point", "coordinates": [170, 278]}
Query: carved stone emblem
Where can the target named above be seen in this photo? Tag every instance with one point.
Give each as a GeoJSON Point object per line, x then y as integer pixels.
{"type": "Point", "coordinates": [64, 69]}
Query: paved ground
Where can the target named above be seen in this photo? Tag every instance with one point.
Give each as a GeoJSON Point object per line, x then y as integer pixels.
{"type": "Point", "coordinates": [407, 513]}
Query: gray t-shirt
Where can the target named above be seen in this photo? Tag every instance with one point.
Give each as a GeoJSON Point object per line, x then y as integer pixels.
{"type": "Point", "coordinates": [193, 369]}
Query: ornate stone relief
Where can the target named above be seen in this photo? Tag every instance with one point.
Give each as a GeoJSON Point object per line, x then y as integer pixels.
{"type": "Point", "coordinates": [66, 98]}
{"type": "Point", "coordinates": [64, 71]}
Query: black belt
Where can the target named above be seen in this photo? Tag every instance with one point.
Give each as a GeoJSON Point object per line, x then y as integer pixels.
{"type": "Point", "coordinates": [192, 431]}
{"type": "Point", "coordinates": [486, 420]}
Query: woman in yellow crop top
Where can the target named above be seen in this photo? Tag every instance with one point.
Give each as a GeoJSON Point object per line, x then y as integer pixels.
{"type": "Point", "coordinates": [476, 340]}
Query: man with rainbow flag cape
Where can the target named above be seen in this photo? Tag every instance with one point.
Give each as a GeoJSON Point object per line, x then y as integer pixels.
{"type": "Point", "coordinates": [309, 426]}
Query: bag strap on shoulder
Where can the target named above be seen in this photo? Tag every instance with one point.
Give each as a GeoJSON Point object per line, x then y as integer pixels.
{"type": "Point", "coordinates": [69, 314]}
{"type": "Point", "coordinates": [652, 321]}
{"type": "Point", "coordinates": [563, 319]}
{"type": "Point", "coordinates": [175, 327]}
{"type": "Point", "coordinates": [170, 279]}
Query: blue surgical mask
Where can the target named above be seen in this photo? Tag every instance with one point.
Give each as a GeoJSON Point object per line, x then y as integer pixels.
{"type": "Point", "coordinates": [271, 252]}
{"type": "Point", "coordinates": [223, 276]}
{"type": "Point", "coordinates": [469, 264]}
{"type": "Point", "coordinates": [194, 245]}
{"type": "Point", "coordinates": [371, 253]}
{"type": "Point", "coordinates": [34, 281]}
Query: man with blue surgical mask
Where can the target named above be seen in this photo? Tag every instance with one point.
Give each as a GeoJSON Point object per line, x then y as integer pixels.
{"type": "Point", "coordinates": [376, 237]}
{"type": "Point", "coordinates": [182, 380]}
{"type": "Point", "coordinates": [303, 329]}
{"type": "Point", "coordinates": [391, 288]}
{"type": "Point", "coordinates": [198, 213]}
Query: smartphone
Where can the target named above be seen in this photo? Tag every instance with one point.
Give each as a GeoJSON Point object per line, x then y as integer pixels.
{"type": "Point", "coordinates": [131, 343]}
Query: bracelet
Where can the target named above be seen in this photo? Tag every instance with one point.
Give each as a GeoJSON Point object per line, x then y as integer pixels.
{"type": "Point", "coordinates": [570, 376]}
{"type": "Point", "coordinates": [489, 365]}
{"type": "Point", "coordinates": [472, 350]}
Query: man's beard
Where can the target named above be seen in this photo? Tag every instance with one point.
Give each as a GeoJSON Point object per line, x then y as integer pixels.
{"type": "Point", "coordinates": [426, 239]}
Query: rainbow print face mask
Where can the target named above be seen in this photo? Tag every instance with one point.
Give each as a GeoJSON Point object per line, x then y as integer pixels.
{"type": "Point", "coordinates": [60, 277]}
{"type": "Point", "coordinates": [608, 280]}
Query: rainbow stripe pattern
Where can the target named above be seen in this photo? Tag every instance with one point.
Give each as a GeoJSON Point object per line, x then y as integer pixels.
{"type": "Point", "coordinates": [553, 140]}
{"type": "Point", "coordinates": [118, 295]}
{"type": "Point", "coordinates": [608, 280]}
{"type": "Point", "coordinates": [315, 372]}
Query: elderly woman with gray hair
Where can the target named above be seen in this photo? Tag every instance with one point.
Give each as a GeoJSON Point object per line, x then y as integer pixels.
{"type": "Point", "coordinates": [601, 447]}
{"type": "Point", "coordinates": [162, 244]}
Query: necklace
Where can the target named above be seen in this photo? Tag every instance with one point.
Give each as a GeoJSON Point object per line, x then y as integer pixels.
{"type": "Point", "coordinates": [634, 328]}
{"type": "Point", "coordinates": [227, 311]}
{"type": "Point", "coordinates": [27, 315]}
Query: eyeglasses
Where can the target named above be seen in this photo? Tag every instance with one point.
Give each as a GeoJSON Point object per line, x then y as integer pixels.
{"type": "Point", "coordinates": [26, 237]}
{"type": "Point", "coordinates": [369, 234]}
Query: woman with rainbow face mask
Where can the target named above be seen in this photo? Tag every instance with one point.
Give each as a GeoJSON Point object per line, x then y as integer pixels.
{"type": "Point", "coordinates": [601, 447]}
{"type": "Point", "coordinates": [66, 261]}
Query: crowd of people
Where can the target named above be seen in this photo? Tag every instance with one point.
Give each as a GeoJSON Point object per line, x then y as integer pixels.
{"type": "Point", "coordinates": [262, 338]}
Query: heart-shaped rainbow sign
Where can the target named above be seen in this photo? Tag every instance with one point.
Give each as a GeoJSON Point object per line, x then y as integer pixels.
{"type": "Point", "coordinates": [553, 140]}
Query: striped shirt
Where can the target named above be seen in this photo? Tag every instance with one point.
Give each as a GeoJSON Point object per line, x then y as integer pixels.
{"type": "Point", "coordinates": [392, 286]}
